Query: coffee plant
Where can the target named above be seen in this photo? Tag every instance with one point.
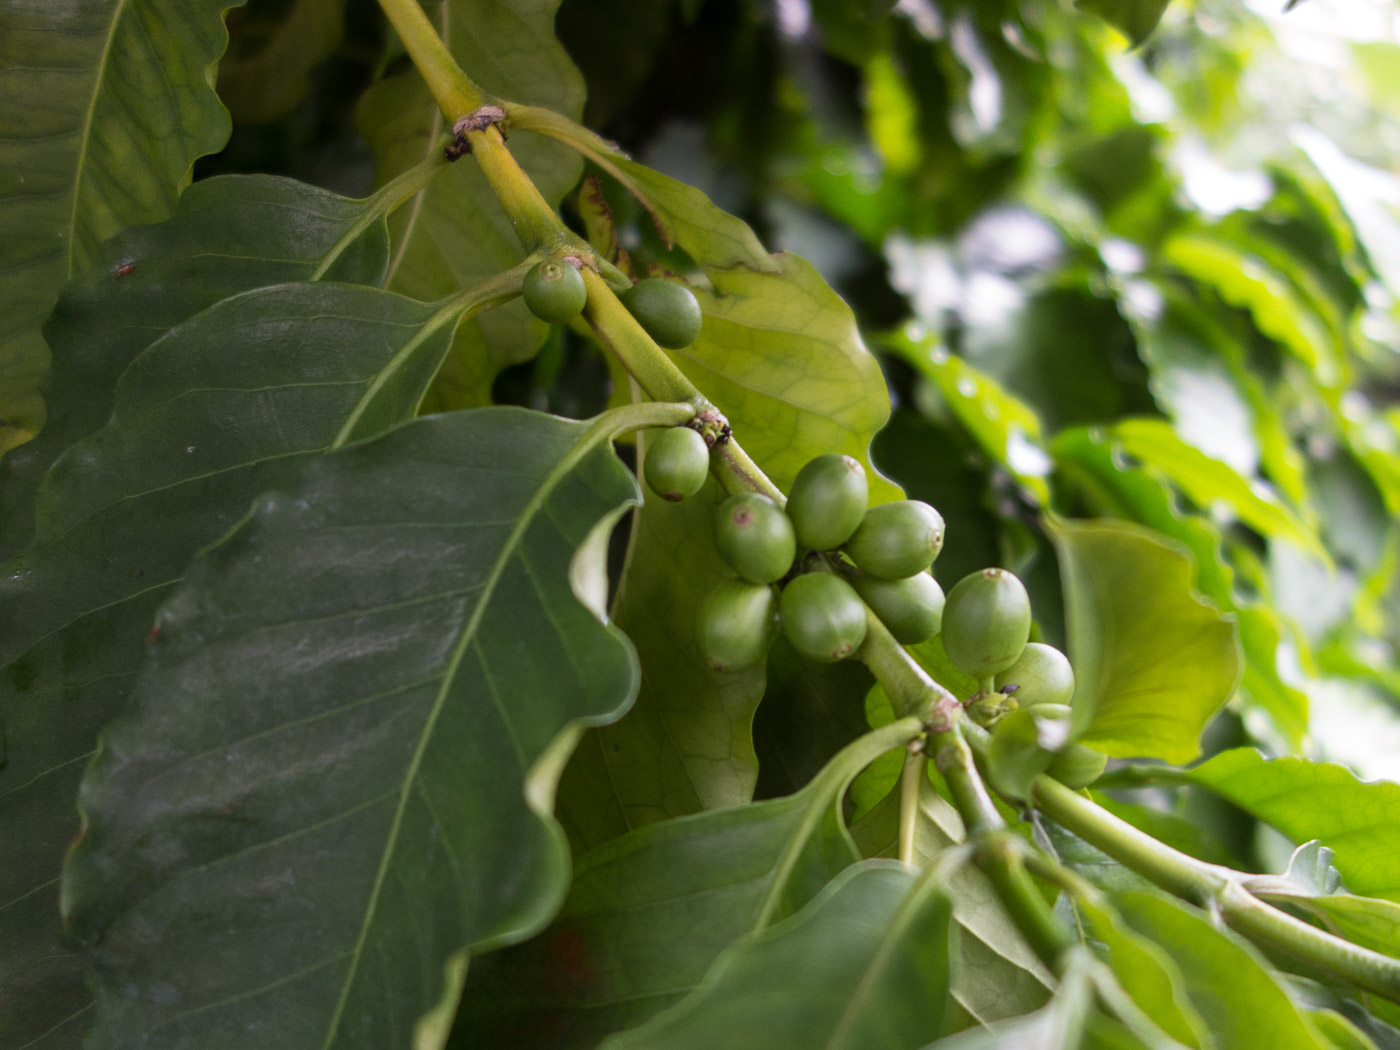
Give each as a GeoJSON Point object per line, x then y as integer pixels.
{"type": "Point", "coordinates": [462, 589]}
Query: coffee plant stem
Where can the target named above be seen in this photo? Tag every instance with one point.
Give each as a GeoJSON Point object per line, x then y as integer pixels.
{"type": "Point", "coordinates": [455, 92]}
{"type": "Point", "coordinates": [1000, 855]}
{"type": "Point", "coordinates": [1220, 890]}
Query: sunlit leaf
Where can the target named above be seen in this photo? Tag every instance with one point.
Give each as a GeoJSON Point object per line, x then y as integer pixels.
{"type": "Point", "coordinates": [1358, 821]}
{"type": "Point", "coordinates": [105, 105]}
{"type": "Point", "coordinates": [361, 693]}
{"type": "Point", "coordinates": [865, 965]}
{"type": "Point", "coordinates": [1152, 662]}
{"type": "Point", "coordinates": [1136, 18]}
{"type": "Point", "coordinates": [1208, 481]}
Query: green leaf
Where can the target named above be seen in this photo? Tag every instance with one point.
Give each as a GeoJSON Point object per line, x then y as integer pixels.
{"type": "Point", "coordinates": [1358, 821]}
{"type": "Point", "coordinates": [1136, 18]}
{"type": "Point", "coordinates": [124, 511]}
{"type": "Point", "coordinates": [228, 235]}
{"type": "Point", "coordinates": [105, 106]}
{"type": "Point", "coordinates": [1005, 428]}
{"type": "Point", "coordinates": [1097, 467]}
{"type": "Point", "coordinates": [1241, 998]}
{"type": "Point", "coordinates": [366, 693]}
{"type": "Point", "coordinates": [1279, 311]}
{"type": "Point", "coordinates": [865, 965]}
{"type": "Point", "coordinates": [1147, 974]}
{"type": "Point", "coordinates": [996, 975]}
{"type": "Point", "coordinates": [454, 233]}
{"type": "Point", "coordinates": [1059, 1025]}
{"type": "Point", "coordinates": [1339, 1032]}
{"type": "Point", "coordinates": [1209, 482]}
{"type": "Point", "coordinates": [1152, 662]}
{"type": "Point", "coordinates": [648, 912]}
{"type": "Point", "coordinates": [266, 82]}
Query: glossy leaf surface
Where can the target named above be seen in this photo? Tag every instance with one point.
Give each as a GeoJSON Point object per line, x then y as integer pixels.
{"type": "Point", "coordinates": [361, 693]}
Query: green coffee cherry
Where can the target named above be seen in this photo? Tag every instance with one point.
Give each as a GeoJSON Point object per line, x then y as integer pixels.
{"type": "Point", "coordinates": [554, 291]}
{"type": "Point", "coordinates": [822, 617]}
{"type": "Point", "coordinates": [735, 625]}
{"type": "Point", "coordinates": [895, 540]}
{"type": "Point", "coordinates": [668, 311]}
{"type": "Point", "coordinates": [986, 622]}
{"type": "Point", "coordinates": [1078, 766]}
{"type": "Point", "coordinates": [677, 463]}
{"type": "Point", "coordinates": [912, 608]}
{"type": "Point", "coordinates": [827, 501]}
{"type": "Point", "coordinates": [755, 537]}
{"type": "Point", "coordinates": [1040, 675]}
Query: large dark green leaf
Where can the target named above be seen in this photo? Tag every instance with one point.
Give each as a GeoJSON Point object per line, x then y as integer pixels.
{"type": "Point", "coordinates": [864, 967]}
{"type": "Point", "coordinates": [220, 408]}
{"type": "Point", "coordinates": [337, 769]}
{"type": "Point", "coordinates": [1358, 821]}
{"type": "Point", "coordinates": [455, 234]}
{"type": "Point", "coordinates": [649, 912]}
{"type": "Point", "coordinates": [1152, 661]}
{"type": "Point", "coordinates": [105, 105]}
{"type": "Point", "coordinates": [228, 235]}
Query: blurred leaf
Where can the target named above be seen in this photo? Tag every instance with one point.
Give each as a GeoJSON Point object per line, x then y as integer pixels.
{"type": "Point", "coordinates": [1136, 18]}
{"type": "Point", "coordinates": [269, 82]}
{"type": "Point", "coordinates": [1152, 662]}
{"type": "Point", "coordinates": [1208, 482]}
{"type": "Point", "coordinates": [454, 233]}
{"type": "Point", "coordinates": [1358, 821]}
{"type": "Point", "coordinates": [1060, 1025]}
{"type": "Point", "coordinates": [1339, 1032]}
{"type": "Point", "coordinates": [1174, 829]}
{"type": "Point", "coordinates": [105, 106]}
{"type": "Point", "coordinates": [648, 912]}
{"type": "Point", "coordinates": [429, 573]}
{"type": "Point", "coordinates": [1006, 429]}
{"type": "Point", "coordinates": [864, 966]}
{"type": "Point", "coordinates": [228, 235]}
{"type": "Point", "coordinates": [1278, 310]}
{"type": "Point", "coordinates": [1380, 62]}
{"type": "Point", "coordinates": [1242, 999]}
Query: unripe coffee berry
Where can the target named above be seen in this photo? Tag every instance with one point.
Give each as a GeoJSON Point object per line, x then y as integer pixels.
{"type": "Point", "coordinates": [755, 537]}
{"type": "Point", "coordinates": [986, 622]}
{"type": "Point", "coordinates": [677, 463]}
{"type": "Point", "coordinates": [1040, 675]}
{"type": "Point", "coordinates": [895, 540]}
{"type": "Point", "coordinates": [822, 617]}
{"type": "Point", "coordinates": [668, 311]}
{"type": "Point", "coordinates": [911, 608]}
{"type": "Point", "coordinates": [554, 291]}
{"type": "Point", "coordinates": [735, 624]}
{"type": "Point", "coordinates": [827, 501]}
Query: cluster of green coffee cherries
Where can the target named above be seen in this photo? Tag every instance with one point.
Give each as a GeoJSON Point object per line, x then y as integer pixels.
{"type": "Point", "coordinates": [809, 570]}
{"type": "Point", "coordinates": [554, 291]}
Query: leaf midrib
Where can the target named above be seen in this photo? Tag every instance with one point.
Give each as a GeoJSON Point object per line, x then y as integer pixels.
{"type": "Point", "coordinates": [86, 130]}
